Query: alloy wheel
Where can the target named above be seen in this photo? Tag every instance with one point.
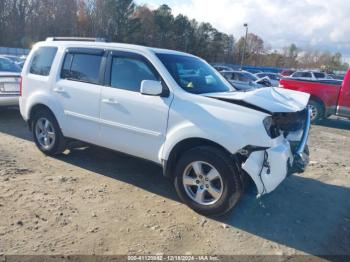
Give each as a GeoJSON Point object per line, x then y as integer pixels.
{"type": "Point", "coordinates": [202, 183]}
{"type": "Point", "coordinates": [45, 133]}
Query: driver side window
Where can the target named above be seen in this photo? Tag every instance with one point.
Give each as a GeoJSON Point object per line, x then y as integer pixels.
{"type": "Point", "coordinates": [128, 73]}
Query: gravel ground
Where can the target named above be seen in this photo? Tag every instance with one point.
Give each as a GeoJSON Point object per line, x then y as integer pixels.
{"type": "Point", "coordinates": [95, 201]}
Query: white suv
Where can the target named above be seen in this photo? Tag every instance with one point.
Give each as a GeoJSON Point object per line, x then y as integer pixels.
{"type": "Point", "coordinates": [168, 107]}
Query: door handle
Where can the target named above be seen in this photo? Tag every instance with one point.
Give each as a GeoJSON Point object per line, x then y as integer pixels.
{"type": "Point", "coordinates": [59, 90]}
{"type": "Point", "coordinates": [110, 101]}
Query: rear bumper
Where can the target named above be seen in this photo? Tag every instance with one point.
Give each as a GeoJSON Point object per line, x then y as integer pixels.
{"type": "Point", "coordinates": [9, 100]}
{"type": "Point", "coordinates": [268, 168]}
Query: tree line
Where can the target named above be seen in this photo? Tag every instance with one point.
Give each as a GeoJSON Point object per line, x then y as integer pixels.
{"type": "Point", "coordinates": [24, 22]}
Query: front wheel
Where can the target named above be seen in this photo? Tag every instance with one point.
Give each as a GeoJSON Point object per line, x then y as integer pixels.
{"type": "Point", "coordinates": [207, 180]}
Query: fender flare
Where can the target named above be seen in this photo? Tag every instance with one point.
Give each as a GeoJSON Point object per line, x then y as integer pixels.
{"type": "Point", "coordinates": [190, 131]}
{"type": "Point", "coordinates": [47, 101]}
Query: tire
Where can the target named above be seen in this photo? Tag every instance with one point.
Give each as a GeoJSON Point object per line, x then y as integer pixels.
{"type": "Point", "coordinates": [211, 161]}
{"type": "Point", "coordinates": [47, 134]}
{"type": "Point", "coordinates": [317, 113]}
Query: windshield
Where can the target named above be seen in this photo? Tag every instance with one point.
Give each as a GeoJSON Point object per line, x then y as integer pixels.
{"type": "Point", "coordinates": [6, 65]}
{"type": "Point", "coordinates": [194, 75]}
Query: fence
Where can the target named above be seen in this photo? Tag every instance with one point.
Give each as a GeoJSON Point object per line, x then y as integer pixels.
{"type": "Point", "coordinates": [13, 51]}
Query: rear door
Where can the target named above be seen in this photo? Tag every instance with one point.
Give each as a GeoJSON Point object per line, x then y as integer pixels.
{"type": "Point", "coordinates": [131, 122]}
{"type": "Point", "coordinates": [344, 97]}
{"type": "Point", "coordinates": [78, 89]}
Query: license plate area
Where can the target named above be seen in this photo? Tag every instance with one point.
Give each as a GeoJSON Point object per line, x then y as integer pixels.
{"type": "Point", "coordinates": [9, 88]}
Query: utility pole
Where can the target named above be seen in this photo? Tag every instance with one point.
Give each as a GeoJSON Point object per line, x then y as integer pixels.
{"type": "Point", "coordinates": [245, 44]}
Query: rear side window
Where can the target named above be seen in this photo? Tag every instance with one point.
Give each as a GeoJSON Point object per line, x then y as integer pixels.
{"type": "Point", "coordinates": [42, 61]}
{"type": "Point", "coordinates": [82, 67]}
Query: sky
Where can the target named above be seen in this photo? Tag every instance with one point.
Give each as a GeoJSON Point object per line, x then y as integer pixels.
{"type": "Point", "coordinates": [317, 24]}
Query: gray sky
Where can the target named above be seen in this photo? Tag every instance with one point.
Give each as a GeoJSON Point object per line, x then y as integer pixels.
{"type": "Point", "coordinates": [319, 24]}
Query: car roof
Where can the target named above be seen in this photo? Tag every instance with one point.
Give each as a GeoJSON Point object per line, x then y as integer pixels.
{"type": "Point", "coordinates": [105, 45]}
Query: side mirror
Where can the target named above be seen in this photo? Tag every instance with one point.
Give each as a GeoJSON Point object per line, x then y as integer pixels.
{"type": "Point", "coordinates": [151, 88]}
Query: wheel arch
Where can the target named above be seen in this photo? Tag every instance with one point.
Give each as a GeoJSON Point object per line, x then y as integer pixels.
{"type": "Point", "coordinates": [41, 105]}
{"type": "Point", "coordinates": [185, 145]}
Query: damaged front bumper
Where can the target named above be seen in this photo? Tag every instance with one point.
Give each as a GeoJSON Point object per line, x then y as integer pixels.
{"type": "Point", "coordinates": [268, 168]}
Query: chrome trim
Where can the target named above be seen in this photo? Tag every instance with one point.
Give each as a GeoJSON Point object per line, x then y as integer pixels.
{"type": "Point", "coordinates": [304, 138]}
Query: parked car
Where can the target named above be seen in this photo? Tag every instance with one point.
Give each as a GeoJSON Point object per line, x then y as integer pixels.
{"type": "Point", "coordinates": [273, 77]}
{"type": "Point", "coordinates": [286, 73]}
{"type": "Point", "coordinates": [310, 75]}
{"type": "Point", "coordinates": [170, 108]}
{"type": "Point", "coordinates": [223, 68]}
{"type": "Point", "coordinates": [328, 97]}
{"type": "Point", "coordinates": [337, 76]}
{"type": "Point", "coordinates": [8, 65]}
{"type": "Point", "coordinates": [9, 82]}
{"type": "Point", "coordinates": [243, 80]}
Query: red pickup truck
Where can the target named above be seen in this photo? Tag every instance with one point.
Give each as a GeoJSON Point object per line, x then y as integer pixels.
{"type": "Point", "coordinates": [328, 97]}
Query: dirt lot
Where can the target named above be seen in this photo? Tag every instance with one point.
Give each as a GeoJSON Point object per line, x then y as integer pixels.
{"type": "Point", "coordinates": [94, 201]}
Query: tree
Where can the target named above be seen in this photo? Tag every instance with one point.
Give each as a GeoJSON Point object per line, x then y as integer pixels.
{"type": "Point", "coordinates": [164, 20]}
{"type": "Point", "coordinates": [24, 22]}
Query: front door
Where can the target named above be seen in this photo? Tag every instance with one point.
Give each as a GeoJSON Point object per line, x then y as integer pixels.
{"type": "Point", "coordinates": [131, 122]}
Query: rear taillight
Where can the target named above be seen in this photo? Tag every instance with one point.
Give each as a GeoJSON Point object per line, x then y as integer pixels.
{"type": "Point", "coordinates": [20, 86]}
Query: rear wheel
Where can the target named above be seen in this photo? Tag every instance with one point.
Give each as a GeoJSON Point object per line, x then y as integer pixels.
{"type": "Point", "coordinates": [317, 112]}
{"type": "Point", "coordinates": [47, 134]}
{"type": "Point", "coordinates": [208, 181]}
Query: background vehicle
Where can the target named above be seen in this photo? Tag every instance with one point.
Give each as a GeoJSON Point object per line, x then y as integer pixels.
{"type": "Point", "coordinates": [223, 68]}
{"type": "Point", "coordinates": [243, 80]}
{"type": "Point", "coordinates": [170, 108]}
{"type": "Point", "coordinates": [18, 60]}
{"type": "Point", "coordinates": [8, 65]}
{"type": "Point", "coordinates": [337, 76]}
{"type": "Point", "coordinates": [328, 97]}
{"type": "Point", "coordinates": [286, 73]}
{"type": "Point", "coordinates": [273, 77]}
{"type": "Point", "coordinates": [310, 75]}
{"type": "Point", "coordinates": [9, 82]}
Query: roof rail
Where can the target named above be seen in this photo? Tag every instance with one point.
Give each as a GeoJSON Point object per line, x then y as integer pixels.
{"type": "Point", "coordinates": [82, 39]}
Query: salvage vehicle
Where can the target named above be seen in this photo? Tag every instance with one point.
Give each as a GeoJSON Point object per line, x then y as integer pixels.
{"type": "Point", "coordinates": [223, 68]}
{"type": "Point", "coordinates": [274, 78]}
{"type": "Point", "coordinates": [167, 107]}
{"type": "Point", "coordinates": [287, 72]}
{"type": "Point", "coordinates": [328, 97]}
{"type": "Point", "coordinates": [243, 80]}
{"type": "Point", "coordinates": [9, 82]}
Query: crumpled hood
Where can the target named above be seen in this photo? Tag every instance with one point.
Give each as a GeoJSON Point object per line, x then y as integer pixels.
{"type": "Point", "coordinates": [273, 100]}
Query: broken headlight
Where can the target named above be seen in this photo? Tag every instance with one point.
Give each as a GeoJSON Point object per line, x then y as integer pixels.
{"type": "Point", "coordinates": [270, 127]}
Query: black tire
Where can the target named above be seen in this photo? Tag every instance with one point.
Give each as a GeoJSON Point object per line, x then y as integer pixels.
{"type": "Point", "coordinates": [318, 111]}
{"type": "Point", "coordinates": [59, 145]}
{"type": "Point", "coordinates": [232, 187]}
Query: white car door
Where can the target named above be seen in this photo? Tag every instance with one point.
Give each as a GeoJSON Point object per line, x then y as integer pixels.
{"type": "Point", "coordinates": [131, 122]}
{"type": "Point", "coordinates": [78, 89]}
